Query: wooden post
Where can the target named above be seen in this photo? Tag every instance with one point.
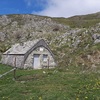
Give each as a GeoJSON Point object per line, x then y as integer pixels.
{"type": "Point", "coordinates": [15, 62]}
{"type": "Point", "coordinates": [14, 74]}
{"type": "Point", "coordinates": [48, 63]}
{"type": "Point", "coordinates": [14, 77]}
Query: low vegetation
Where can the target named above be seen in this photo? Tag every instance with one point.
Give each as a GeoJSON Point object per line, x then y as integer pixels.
{"type": "Point", "coordinates": [53, 84]}
{"type": "Point", "coordinates": [77, 23]}
{"type": "Point", "coordinates": [75, 43]}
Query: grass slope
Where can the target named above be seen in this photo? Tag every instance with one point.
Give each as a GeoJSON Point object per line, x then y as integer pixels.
{"type": "Point", "coordinates": [53, 84]}
{"type": "Point", "coordinates": [82, 21]}
{"type": "Point", "coordinates": [76, 22]}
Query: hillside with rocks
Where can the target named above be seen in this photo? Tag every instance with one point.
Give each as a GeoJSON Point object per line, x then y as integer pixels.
{"type": "Point", "coordinates": [75, 41]}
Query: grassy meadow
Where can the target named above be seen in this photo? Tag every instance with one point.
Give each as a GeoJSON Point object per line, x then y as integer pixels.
{"type": "Point", "coordinates": [52, 84]}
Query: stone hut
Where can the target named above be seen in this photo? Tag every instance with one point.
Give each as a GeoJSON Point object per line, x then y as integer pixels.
{"type": "Point", "coordinates": [31, 54]}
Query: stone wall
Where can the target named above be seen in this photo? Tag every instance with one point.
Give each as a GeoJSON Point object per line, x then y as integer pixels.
{"type": "Point", "coordinates": [13, 60]}
{"type": "Point", "coordinates": [41, 51]}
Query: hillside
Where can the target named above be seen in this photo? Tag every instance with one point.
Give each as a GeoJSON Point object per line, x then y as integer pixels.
{"type": "Point", "coordinates": [82, 21]}
{"type": "Point", "coordinates": [75, 41]}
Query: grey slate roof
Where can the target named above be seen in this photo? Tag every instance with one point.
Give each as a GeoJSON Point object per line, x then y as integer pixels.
{"type": "Point", "coordinates": [21, 48]}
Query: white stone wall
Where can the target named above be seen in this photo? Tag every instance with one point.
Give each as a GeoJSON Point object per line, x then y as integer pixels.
{"type": "Point", "coordinates": [41, 51]}
{"type": "Point", "coordinates": [13, 60]}
{"type": "Point", "coordinates": [19, 61]}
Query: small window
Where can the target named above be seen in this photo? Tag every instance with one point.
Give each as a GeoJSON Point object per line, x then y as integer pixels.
{"type": "Point", "coordinates": [45, 58]}
{"type": "Point", "coordinates": [41, 48]}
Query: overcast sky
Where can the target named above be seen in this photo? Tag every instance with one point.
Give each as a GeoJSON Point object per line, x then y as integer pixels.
{"type": "Point", "coordinates": [53, 8]}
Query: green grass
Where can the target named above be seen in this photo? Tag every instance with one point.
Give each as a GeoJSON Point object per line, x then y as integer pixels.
{"type": "Point", "coordinates": [4, 68]}
{"type": "Point", "coordinates": [55, 84]}
{"type": "Point", "coordinates": [77, 23]}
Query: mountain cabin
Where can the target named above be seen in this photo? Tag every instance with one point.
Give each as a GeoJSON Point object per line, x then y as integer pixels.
{"type": "Point", "coordinates": [31, 54]}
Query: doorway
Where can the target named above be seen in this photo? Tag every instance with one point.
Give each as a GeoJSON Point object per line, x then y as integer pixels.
{"type": "Point", "coordinates": [36, 61]}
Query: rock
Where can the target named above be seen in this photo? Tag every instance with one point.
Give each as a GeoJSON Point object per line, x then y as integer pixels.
{"type": "Point", "coordinates": [2, 36]}
{"type": "Point", "coordinates": [93, 67]}
{"type": "Point", "coordinates": [97, 41]}
{"type": "Point", "coordinates": [22, 82]}
{"type": "Point", "coordinates": [75, 44]}
{"type": "Point", "coordinates": [96, 36]}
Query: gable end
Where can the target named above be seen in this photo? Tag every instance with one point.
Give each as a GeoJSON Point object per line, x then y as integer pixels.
{"type": "Point", "coordinates": [38, 44]}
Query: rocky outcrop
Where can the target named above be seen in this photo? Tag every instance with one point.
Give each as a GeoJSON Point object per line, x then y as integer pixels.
{"type": "Point", "coordinates": [2, 36]}
{"type": "Point", "coordinates": [71, 46]}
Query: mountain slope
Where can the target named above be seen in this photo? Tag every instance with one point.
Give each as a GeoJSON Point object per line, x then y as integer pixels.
{"type": "Point", "coordinates": [75, 41]}
{"type": "Point", "coordinates": [82, 21]}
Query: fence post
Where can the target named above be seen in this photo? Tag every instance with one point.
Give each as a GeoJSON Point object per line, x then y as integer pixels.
{"type": "Point", "coordinates": [15, 69]}
{"type": "Point", "coordinates": [48, 63]}
{"type": "Point", "coordinates": [14, 74]}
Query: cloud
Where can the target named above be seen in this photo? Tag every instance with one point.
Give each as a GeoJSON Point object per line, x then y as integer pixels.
{"type": "Point", "coordinates": [28, 2]}
{"type": "Point", "coordinates": [36, 3]}
{"type": "Point", "coordinates": [67, 8]}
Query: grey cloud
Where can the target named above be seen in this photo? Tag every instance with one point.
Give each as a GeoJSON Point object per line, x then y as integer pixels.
{"type": "Point", "coordinates": [67, 8]}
